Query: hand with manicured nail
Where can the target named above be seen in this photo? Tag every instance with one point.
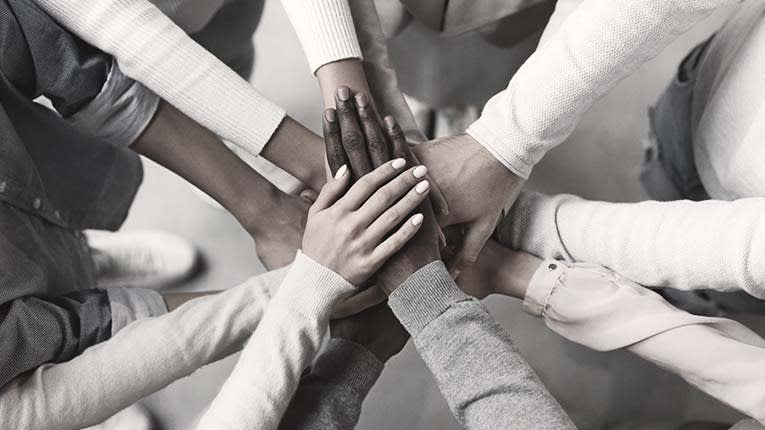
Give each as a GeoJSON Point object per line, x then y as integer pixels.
{"type": "Point", "coordinates": [355, 231]}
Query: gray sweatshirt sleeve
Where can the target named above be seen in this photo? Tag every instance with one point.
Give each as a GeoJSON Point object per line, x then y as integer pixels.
{"type": "Point", "coordinates": [486, 383]}
{"type": "Point", "coordinates": [331, 395]}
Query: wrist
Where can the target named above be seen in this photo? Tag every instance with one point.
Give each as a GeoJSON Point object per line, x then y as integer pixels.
{"type": "Point", "coordinates": [299, 152]}
{"type": "Point", "coordinates": [349, 73]}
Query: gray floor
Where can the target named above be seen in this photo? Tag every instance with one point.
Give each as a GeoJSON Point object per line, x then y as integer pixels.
{"type": "Point", "coordinates": [599, 161]}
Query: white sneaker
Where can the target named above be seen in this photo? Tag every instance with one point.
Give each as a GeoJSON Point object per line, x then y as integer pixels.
{"type": "Point", "coordinates": [141, 259]}
{"type": "Point", "coordinates": [135, 417]}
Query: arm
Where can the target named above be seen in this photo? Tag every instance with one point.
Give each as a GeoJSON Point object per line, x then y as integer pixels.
{"type": "Point", "coordinates": [598, 44]}
{"type": "Point", "coordinates": [164, 59]}
{"type": "Point", "coordinates": [455, 336]}
{"type": "Point", "coordinates": [346, 241]}
{"type": "Point", "coordinates": [683, 245]}
{"type": "Point", "coordinates": [152, 353]}
{"type": "Point", "coordinates": [599, 309]}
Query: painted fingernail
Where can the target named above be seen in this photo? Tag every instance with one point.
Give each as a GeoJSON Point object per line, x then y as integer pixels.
{"type": "Point", "coordinates": [330, 115]}
{"type": "Point", "coordinates": [362, 100]}
{"type": "Point", "coordinates": [389, 121]}
{"type": "Point", "coordinates": [341, 171]}
{"type": "Point", "coordinates": [420, 171]}
{"type": "Point", "coordinates": [398, 163]}
{"type": "Point", "coordinates": [417, 219]}
{"type": "Point", "coordinates": [344, 93]}
{"type": "Point", "coordinates": [422, 187]}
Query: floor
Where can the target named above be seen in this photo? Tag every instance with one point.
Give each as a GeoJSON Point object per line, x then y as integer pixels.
{"type": "Point", "coordinates": [599, 161]}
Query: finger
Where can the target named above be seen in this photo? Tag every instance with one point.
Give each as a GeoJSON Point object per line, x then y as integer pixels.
{"type": "Point", "coordinates": [369, 184]}
{"type": "Point", "coordinates": [379, 151]}
{"type": "Point", "coordinates": [358, 303]}
{"type": "Point", "coordinates": [332, 190]}
{"type": "Point", "coordinates": [475, 238]}
{"type": "Point", "coordinates": [308, 196]}
{"type": "Point", "coordinates": [353, 139]}
{"type": "Point", "coordinates": [393, 216]}
{"type": "Point", "coordinates": [333, 142]}
{"type": "Point", "coordinates": [397, 240]}
{"type": "Point", "coordinates": [387, 195]}
{"type": "Point", "coordinates": [398, 140]}
{"type": "Point", "coordinates": [437, 198]}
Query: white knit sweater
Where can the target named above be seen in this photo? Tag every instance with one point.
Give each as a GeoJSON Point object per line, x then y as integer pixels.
{"type": "Point", "coordinates": [153, 50]}
{"type": "Point", "coordinates": [599, 43]}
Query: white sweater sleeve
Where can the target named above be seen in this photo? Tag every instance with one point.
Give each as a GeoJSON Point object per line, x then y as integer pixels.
{"type": "Point", "coordinates": [151, 49]}
{"type": "Point", "coordinates": [685, 245]}
{"type": "Point", "coordinates": [140, 359]}
{"type": "Point", "coordinates": [598, 44]}
{"type": "Point", "coordinates": [601, 310]}
{"type": "Point", "coordinates": [325, 29]}
{"type": "Point", "coordinates": [260, 388]}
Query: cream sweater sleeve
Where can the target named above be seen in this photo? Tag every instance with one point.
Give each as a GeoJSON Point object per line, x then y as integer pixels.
{"type": "Point", "coordinates": [288, 338]}
{"type": "Point", "coordinates": [325, 29]}
{"type": "Point", "coordinates": [151, 49]}
{"type": "Point", "coordinates": [685, 245]}
{"type": "Point", "coordinates": [140, 359]}
{"type": "Point", "coordinates": [604, 311]}
{"type": "Point", "coordinates": [597, 45]}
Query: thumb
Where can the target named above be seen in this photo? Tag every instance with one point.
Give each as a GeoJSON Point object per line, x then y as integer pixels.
{"type": "Point", "coordinates": [475, 238]}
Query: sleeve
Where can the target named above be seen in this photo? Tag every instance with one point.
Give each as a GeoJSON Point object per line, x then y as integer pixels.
{"type": "Point", "coordinates": [599, 43]}
{"type": "Point", "coordinates": [140, 359]}
{"type": "Point", "coordinates": [152, 50]}
{"type": "Point", "coordinates": [325, 29]}
{"type": "Point", "coordinates": [685, 245]}
{"type": "Point", "coordinates": [454, 335]}
{"type": "Point", "coordinates": [599, 309]}
{"type": "Point", "coordinates": [37, 330]}
{"type": "Point", "coordinates": [330, 397]}
{"type": "Point", "coordinates": [260, 387]}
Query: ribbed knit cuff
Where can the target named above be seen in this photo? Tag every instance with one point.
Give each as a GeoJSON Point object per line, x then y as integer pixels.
{"type": "Point", "coordinates": [483, 131]}
{"type": "Point", "coordinates": [132, 304]}
{"type": "Point", "coordinates": [542, 286]}
{"type": "Point", "coordinates": [428, 293]}
{"type": "Point", "coordinates": [325, 29]}
{"type": "Point", "coordinates": [349, 363]}
{"type": "Point", "coordinates": [120, 112]}
{"type": "Point", "coordinates": [312, 287]}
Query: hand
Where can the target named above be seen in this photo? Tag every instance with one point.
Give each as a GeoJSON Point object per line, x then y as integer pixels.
{"type": "Point", "coordinates": [349, 232]}
{"type": "Point", "coordinates": [376, 329]}
{"type": "Point", "coordinates": [353, 135]}
{"type": "Point", "coordinates": [477, 188]}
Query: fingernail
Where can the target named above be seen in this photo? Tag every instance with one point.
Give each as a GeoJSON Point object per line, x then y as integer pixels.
{"type": "Point", "coordinates": [417, 219]}
{"type": "Point", "coordinates": [362, 100]}
{"type": "Point", "coordinates": [420, 171]}
{"type": "Point", "coordinates": [389, 121]}
{"type": "Point", "coordinates": [341, 171]}
{"type": "Point", "coordinates": [344, 93]}
{"type": "Point", "coordinates": [398, 163]}
{"type": "Point", "coordinates": [422, 187]}
{"type": "Point", "coordinates": [330, 115]}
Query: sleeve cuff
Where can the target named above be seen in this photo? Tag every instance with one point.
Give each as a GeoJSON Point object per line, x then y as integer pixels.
{"type": "Point", "coordinates": [120, 113]}
{"type": "Point", "coordinates": [310, 285]}
{"type": "Point", "coordinates": [424, 296]}
{"type": "Point", "coordinates": [360, 368]}
{"type": "Point", "coordinates": [325, 29]}
{"type": "Point", "coordinates": [482, 131]}
{"type": "Point", "coordinates": [542, 287]}
{"type": "Point", "coordinates": [132, 304]}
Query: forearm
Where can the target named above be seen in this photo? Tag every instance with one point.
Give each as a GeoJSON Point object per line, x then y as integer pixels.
{"type": "Point", "coordinates": [176, 142]}
{"type": "Point", "coordinates": [454, 335]}
{"type": "Point", "coordinates": [332, 395]}
{"type": "Point", "coordinates": [139, 360]}
{"type": "Point", "coordinates": [683, 245]}
{"type": "Point", "coordinates": [597, 308]}
{"type": "Point", "coordinates": [599, 44]}
{"type": "Point", "coordinates": [259, 389]}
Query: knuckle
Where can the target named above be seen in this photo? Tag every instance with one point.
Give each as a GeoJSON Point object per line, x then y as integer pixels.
{"type": "Point", "coordinates": [352, 140]}
{"type": "Point", "coordinates": [391, 217]}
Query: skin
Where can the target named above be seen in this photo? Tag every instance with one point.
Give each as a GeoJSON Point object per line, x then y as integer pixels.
{"type": "Point", "coordinates": [274, 219]}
